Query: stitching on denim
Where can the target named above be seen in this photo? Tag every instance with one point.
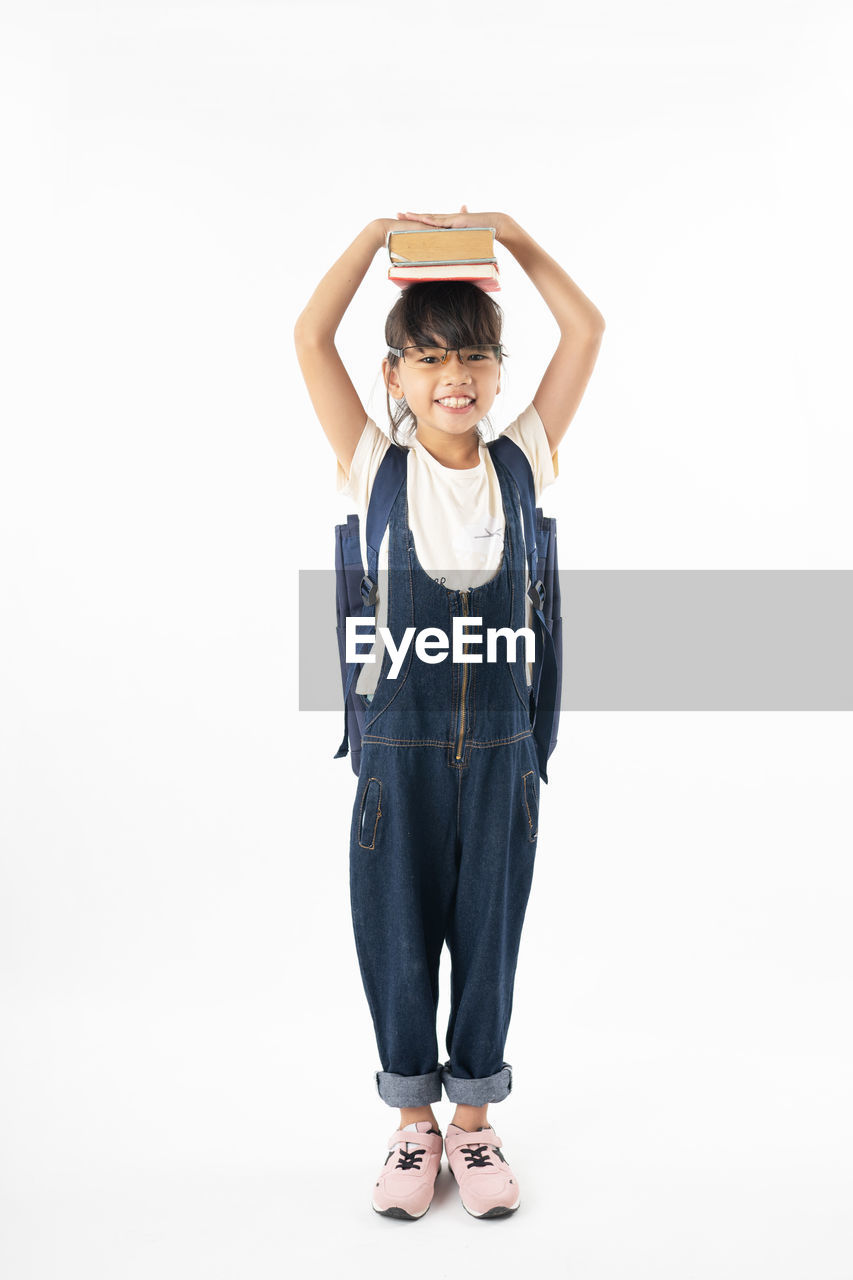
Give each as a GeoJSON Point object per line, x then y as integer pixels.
{"type": "Point", "coordinates": [473, 667]}
{"type": "Point", "coordinates": [523, 610]}
{"type": "Point", "coordinates": [456, 670]}
{"type": "Point", "coordinates": [512, 504]}
{"type": "Point", "coordinates": [500, 742]}
{"type": "Point", "coordinates": [407, 742]}
{"type": "Point", "coordinates": [378, 813]}
{"type": "Point", "coordinates": [509, 486]}
{"type": "Point", "coordinates": [435, 742]}
{"type": "Point", "coordinates": [469, 703]}
{"type": "Point", "coordinates": [393, 525]}
{"type": "Point", "coordinates": [532, 833]}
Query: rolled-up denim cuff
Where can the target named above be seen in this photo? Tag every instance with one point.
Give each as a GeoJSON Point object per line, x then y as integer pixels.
{"type": "Point", "coordinates": [409, 1091]}
{"type": "Point", "coordinates": [476, 1093]}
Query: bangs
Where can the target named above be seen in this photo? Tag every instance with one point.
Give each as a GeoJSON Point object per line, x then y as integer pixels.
{"type": "Point", "coordinates": [453, 313]}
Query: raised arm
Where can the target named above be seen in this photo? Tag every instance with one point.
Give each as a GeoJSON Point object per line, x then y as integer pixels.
{"type": "Point", "coordinates": [581, 323]}
{"type": "Point", "coordinates": [336, 401]}
{"type": "Point", "coordinates": [581, 329]}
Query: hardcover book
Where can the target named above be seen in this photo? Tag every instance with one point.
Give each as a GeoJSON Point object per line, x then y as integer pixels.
{"type": "Point", "coordinates": [485, 275]}
{"type": "Point", "coordinates": [442, 244]}
{"type": "Point", "coordinates": [444, 253]}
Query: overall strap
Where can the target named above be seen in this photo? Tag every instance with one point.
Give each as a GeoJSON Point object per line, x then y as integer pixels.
{"type": "Point", "coordinates": [386, 486]}
{"type": "Point", "coordinates": [516, 461]}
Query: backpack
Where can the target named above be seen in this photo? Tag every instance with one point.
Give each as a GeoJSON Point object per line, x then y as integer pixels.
{"type": "Point", "coordinates": [356, 593]}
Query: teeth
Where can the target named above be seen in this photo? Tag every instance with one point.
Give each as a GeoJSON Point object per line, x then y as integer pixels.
{"type": "Point", "coordinates": [456, 402]}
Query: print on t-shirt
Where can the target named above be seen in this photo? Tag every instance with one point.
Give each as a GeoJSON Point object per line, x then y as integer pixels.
{"type": "Point", "coordinates": [476, 541]}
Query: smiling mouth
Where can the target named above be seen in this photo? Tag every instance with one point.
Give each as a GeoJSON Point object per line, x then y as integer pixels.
{"type": "Point", "coordinates": [467, 401]}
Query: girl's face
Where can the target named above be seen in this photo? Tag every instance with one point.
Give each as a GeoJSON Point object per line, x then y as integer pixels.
{"type": "Point", "coordinates": [428, 384]}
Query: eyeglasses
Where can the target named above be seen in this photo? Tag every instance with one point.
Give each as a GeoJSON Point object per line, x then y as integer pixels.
{"type": "Point", "coordinates": [429, 357]}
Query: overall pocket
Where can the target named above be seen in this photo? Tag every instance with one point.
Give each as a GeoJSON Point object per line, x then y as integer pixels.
{"type": "Point", "coordinates": [531, 804]}
{"type": "Point", "coordinates": [370, 813]}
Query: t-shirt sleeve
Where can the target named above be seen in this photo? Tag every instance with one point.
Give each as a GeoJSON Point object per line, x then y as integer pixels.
{"type": "Point", "coordinates": [369, 452]}
{"type": "Point", "coordinates": [528, 432]}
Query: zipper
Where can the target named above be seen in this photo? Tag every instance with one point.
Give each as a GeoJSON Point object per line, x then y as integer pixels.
{"type": "Point", "coordinates": [464, 595]}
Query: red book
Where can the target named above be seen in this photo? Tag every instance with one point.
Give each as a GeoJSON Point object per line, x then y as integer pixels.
{"type": "Point", "coordinates": [485, 275]}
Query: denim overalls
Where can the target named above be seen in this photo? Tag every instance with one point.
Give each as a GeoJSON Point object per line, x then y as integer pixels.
{"type": "Point", "coordinates": [444, 827]}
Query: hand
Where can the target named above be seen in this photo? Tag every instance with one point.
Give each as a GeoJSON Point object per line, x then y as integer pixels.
{"type": "Point", "coordinates": [461, 219]}
{"type": "Point", "coordinates": [390, 224]}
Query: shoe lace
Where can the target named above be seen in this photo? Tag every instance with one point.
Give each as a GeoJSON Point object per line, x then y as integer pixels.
{"type": "Point", "coordinates": [476, 1157]}
{"type": "Point", "coordinates": [410, 1159]}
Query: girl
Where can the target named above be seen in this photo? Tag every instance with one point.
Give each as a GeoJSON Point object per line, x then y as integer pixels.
{"type": "Point", "coordinates": [445, 820]}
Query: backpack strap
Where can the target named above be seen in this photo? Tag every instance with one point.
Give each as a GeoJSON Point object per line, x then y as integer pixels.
{"type": "Point", "coordinates": [545, 693]}
{"type": "Point", "coordinates": [386, 486]}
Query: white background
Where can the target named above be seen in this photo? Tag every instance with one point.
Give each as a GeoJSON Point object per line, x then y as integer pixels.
{"type": "Point", "coordinates": [186, 1075]}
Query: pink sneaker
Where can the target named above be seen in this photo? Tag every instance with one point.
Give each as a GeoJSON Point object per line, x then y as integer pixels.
{"type": "Point", "coordinates": [487, 1185]}
{"type": "Point", "coordinates": [404, 1187]}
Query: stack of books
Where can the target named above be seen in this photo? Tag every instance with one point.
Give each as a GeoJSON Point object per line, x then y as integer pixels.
{"type": "Point", "coordinates": [444, 253]}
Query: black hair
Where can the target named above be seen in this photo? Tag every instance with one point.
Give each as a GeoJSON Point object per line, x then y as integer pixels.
{"type": "Point", "coordinates": [457, 312]}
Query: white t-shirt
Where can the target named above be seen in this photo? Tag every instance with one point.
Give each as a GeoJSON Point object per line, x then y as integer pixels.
{"type": "Point", "coordinates": [456, 517]}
